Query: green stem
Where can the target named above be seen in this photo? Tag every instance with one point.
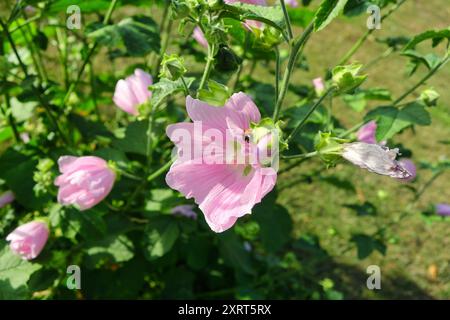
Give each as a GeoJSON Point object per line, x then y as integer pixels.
{"type": "Point", "coordinates": [287, 20]}
{"type": "Point", "coordinates": [422, 81]}
{"type": "Point", "coordinates": [160, 171]}
{"type": "Point", "coordinates": [9, 116]}
{"type": "Point", "coordinates": [164, 46]}
{"type": "Point", "coordinates": [277, 74]}
{"type": "Point", "coordinates": [427, 185]}
{"type": "Point", "coordinates": [93, 91]}
{"type": "Point", "coordinates": [351, 130]}
{"type": "Point", "coordinates": [301, 156]}
{"type": "Point", "coordinates": [186, 88]}
{"type": "Point", "coordinates": [36, 91]}
{"type": "Point", "coordinates": [208, 67]}
{"type": "Point", "coordinates": [311, 110]}
{"type": "Point", "coordinates": [364, 37]}
{"type": "Point", "coordinates": [91, 51]}
{"type": "Point", "coordinates": [294, 53]}
{"type": "Point", "coordinates": [149, 136]}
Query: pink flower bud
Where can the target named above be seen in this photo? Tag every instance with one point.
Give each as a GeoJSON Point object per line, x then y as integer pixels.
{"type": "Point", "coordinates": [367, 132]}
{"type": "Point", "coordinates": [29, 239]}
{"type": "Point", "coordinates": [84, 182]}
{"type": "Point", "coordinates": [6, 197]}
{"type": "Point", "coordinates": [375, 158]}
{"type": "Point", "coordinates": [133, 91]}
{"type": "Point", "coordinates": [199, 36]}
{"type": "Point", "coordinates": [319, 86]}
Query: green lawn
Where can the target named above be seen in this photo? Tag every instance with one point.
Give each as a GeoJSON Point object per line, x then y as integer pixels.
{"type": "Point", "coordinates": [416, 264]}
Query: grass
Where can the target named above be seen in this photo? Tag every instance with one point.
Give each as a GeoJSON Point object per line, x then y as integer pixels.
{"type": "Point", "coordinates": [416, 264]}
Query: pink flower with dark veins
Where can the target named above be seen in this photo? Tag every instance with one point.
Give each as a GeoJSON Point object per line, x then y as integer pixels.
{"type": "Point", "coordinates": [221, 178]}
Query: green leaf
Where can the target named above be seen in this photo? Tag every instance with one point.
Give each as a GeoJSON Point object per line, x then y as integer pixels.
{"type": "Point", "coordinates": [358, 100]}
{"type": "Point", "coordinates": [366, 245]}
{"type": "Point", "coordinates": [430, 60]}
{"type": "Point", "coordinates": [215, 95]}
{"type": "Point", "coordinates": [160, 236]}
{"type": "Point", "coordinates": [14, 273]}
{"type": "Point", "coordinates": [233, 252]}
{"type": "Point", "coordinates": [328, 10]}
{"type": "Point", "coordinates": [58, 6]}
{"type": "Point", "coordinates": [391, 120]}
{"type": "Point", "coordinates": [111, 249]}
{"type": "Point", "coordinates": [165, 87]}
{"type": "Point", "coordinates": [271, 15]}
{"type": "Point", "coordinates": [135, 36]}
{"type": "Point", "coordinates": [301, 16]}
{"type": "Point", "coordinates": [275, 225]}
{"type": "Point", "coordinates": [135, 140]}
{"type": "Point", "coordinates": [436, 35]}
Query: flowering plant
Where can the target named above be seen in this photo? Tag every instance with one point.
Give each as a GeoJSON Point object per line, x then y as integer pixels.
{"type": "Point", "coordinates": [154, 145]}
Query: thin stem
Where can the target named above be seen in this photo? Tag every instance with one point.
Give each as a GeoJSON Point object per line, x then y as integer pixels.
{"type": "Point", "coordinates": [208, 67]}
{"type": "Point", "coordinates": [9, 116]}
{"type": "Point", "coordinates": [422, 81]}
{"type": "Point", "coordinates": [301, 156]}
{"type": "Point", "coordinates": [427, 185]}
{"type": "Point", "coordinates": [149, 136]}
{"type": "Point", "coordinates": [164, 45]}
{"type": "Point", "coordinates": [185, 86]}
{"type": "Point", "coordinates": [311, 110]}
{"type": "Point", "coordinates": [287, 19]}
{"type": "Point", "coordinates": [91, 51]}
{"type": "Point", "coordinates": [37, 92]}
{"type": "Point", "coordinates": [351, 130]}
{"type": "Point", "coordinates": [160, 171]}
{"type": "Point", "coordinates": [295, 49]}
{"type": "Point", "coordinates": [364, 37]}
{"type": "Point", "coordinates": [277, 74]}
{"type": "Point", "coordinates": [93, 91]}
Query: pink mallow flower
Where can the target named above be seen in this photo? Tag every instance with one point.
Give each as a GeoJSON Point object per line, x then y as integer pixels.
{"type": "Point", "coordinates": [410, 167]}
{"type": "Point", "coordinates": [133, 91]}
{"type": "Point", "coordinates": [224, 191]}
{"type": "Point", "coordinates": [84, 182]}
{"type": "Point", "coordinates": [6, 198]}
{"type": "Point", "coordinates": [443, 209]}
{"type": "Point", "coordinates": [29, 239]}
{"type": "Point", "coordinates": [319, 86]}
{"type": "Point", "coordinates": [186, 210]}
{"type": "Point", "coordinates": [367, 132]}
{"type": "Point", "coordinates": [199, 36]}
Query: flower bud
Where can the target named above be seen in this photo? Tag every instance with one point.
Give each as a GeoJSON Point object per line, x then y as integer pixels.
{"type": "Point", "coordinates": [429, 97]}
{"type": "Point", "coordinates": [346, 78]}
{"type": "Point", "coordinates": [172, 67]}
{"type": "Point", "coordinates": [375, 158]}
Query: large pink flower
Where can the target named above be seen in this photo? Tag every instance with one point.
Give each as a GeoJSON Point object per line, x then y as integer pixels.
{"type": "Point", "coordinates": [224, 190]}
{"type": "Point", "coordinates": [84, 182]}
{"type": "Point", "coordinates": [133, 91]}
{"type": "Point", "coordinates": [29, 239]}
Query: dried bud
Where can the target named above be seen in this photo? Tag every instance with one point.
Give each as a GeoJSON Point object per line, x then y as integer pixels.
{"type": "Point", "coordinates": [375, 158]}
